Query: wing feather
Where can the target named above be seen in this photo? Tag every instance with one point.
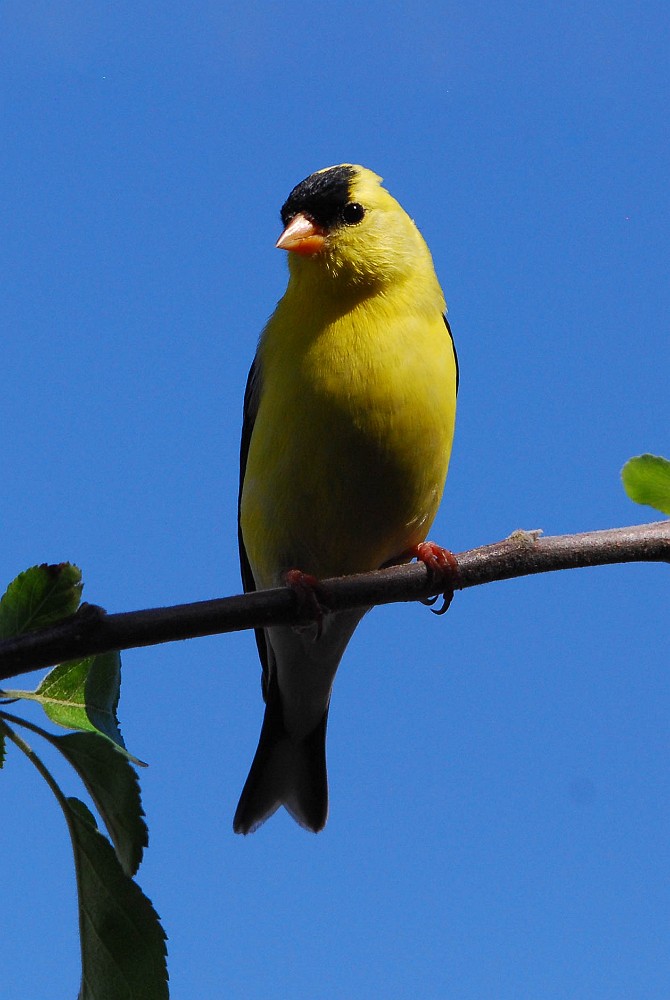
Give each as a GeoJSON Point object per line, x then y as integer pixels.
{"type": "Point", "coordinates": [251, 398]}
{"type": "Point", "coordinates": [446, 323]}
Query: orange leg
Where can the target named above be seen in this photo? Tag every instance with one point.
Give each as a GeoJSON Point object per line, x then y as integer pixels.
{"type": "Point", "coordinates": [442, 567]}
{"type": "Point", "coordinates": [304, 586]}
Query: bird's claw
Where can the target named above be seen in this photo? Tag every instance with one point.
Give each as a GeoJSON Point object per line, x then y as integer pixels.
{"type": "Point", "coordinates": [304, 586]}
{"type": "Point", "coordinates": [442, 567]}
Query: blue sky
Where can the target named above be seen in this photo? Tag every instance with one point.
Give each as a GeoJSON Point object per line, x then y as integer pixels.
{"type": "Point", "coordinates": [500, 793]}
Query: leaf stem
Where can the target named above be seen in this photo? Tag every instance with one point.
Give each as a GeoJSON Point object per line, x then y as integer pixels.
{"type": "Point", "coordinates": [31, 755]}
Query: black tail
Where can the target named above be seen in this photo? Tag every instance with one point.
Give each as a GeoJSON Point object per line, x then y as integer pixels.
{"type": "Point", "coordinates": [285, 772]}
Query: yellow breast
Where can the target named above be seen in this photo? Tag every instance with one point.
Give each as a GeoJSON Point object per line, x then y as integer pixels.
{"type": "Point", "coordinates": [351, 443]}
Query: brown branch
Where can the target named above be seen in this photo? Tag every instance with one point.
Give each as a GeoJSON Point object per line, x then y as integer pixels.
{"type": "Point", "coordinates": [91, 630]}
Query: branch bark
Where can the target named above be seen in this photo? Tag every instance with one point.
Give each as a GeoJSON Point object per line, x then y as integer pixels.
{"type": "Point", "coordinates": [524, 553]}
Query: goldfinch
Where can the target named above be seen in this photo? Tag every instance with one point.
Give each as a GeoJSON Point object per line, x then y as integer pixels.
{"type": "Point", "coordinates": [348, 424]}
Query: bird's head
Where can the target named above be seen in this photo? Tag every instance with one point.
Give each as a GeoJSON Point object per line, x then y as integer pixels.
{"type": "Point", "coordinates": [342, 226]}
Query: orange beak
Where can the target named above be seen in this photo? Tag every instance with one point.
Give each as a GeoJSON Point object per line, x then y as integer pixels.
{"type": "Point", "coordinates": [302, 236]}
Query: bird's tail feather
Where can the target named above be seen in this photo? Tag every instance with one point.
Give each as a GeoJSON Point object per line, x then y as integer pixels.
{"type": "Point", "coordinates": [285, 772]}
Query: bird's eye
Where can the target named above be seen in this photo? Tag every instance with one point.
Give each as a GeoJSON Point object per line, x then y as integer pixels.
{"type": "Point", "coordinates": [352, 213]}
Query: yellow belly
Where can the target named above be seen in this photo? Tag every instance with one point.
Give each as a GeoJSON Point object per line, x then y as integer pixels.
{"type": "Point", "coordinates": [350, 448]}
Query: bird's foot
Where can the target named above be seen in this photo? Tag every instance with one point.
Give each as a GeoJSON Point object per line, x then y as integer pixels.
{"type": "Point", "coordinates": [304, 586]}
{"type": "Point", "coordinates": [442, 567]}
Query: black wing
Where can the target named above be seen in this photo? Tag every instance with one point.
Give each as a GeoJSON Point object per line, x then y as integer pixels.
{"type": "Point", "coordinates": [446, 323]}
{"type": "Point", "coordinates": [251, 397]}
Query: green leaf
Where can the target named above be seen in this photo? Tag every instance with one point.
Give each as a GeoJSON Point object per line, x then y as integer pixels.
{"type": "Point", "coordinates": [83, 694]}
{"type": "Point", "coordinates": [646, 480]}
{"type": "Point", "coordinates": [39, 596]}
{"type": "Point", "coordinates": [122, 942]}
{"type": "Point", "coordinates": [114, 787]}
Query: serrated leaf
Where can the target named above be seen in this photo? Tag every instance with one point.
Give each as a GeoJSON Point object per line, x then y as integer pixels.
{"type": "Point", "coordinates": [122, 942]}
{"type": "Point", "coordinates": [39, 596]}
{"type": "Point", "coordinates": [114, 788]}
{"type": "Point", "coordinates": [84, 694]}
{"type": "Point", "coordinates": [646, 480]}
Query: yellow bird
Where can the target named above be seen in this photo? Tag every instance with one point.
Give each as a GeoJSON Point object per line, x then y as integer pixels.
{"type": "Point", "coordinates": [348, 423]}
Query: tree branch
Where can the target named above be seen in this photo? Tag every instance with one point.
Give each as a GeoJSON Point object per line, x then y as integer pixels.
{"type": "Point", "coordinates": [91, 630]}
